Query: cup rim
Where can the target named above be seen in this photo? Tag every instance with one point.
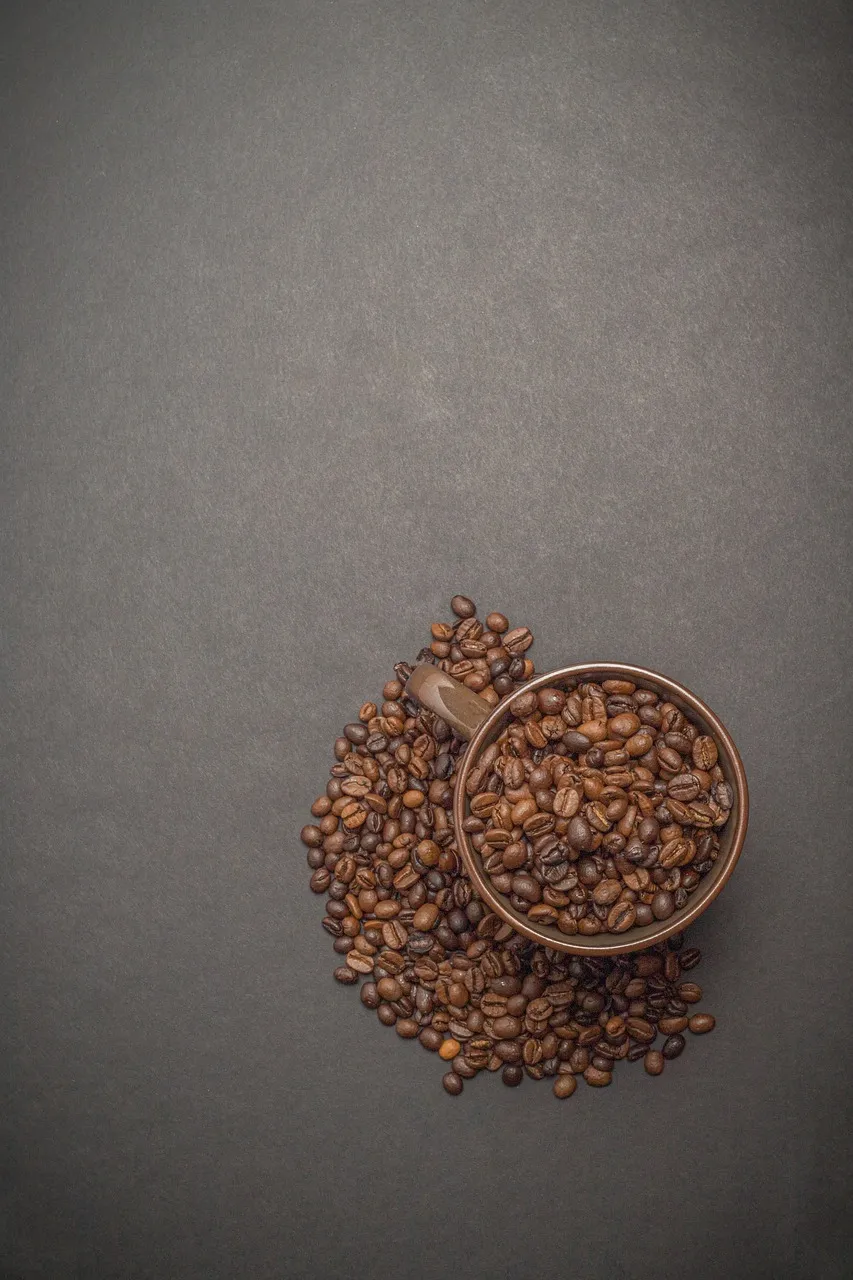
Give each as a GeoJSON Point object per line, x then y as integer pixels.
{"type": "Point", "coordinates": [700, 899]}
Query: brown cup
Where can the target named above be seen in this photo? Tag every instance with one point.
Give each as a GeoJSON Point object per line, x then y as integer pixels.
{"type": "Point", "coordinates": [471, 717]}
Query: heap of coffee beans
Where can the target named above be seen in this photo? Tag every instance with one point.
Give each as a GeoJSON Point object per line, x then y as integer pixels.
{"type": "Point", "coordinates": [437, 964]}
{"type": "Point", "coordinates": [597, 808]}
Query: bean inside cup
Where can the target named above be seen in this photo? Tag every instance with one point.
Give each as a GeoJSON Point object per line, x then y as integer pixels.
{"type": "Point", "coordinates": [598, 807]}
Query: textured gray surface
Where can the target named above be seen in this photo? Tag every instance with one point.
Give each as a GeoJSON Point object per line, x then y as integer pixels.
{"type": "Point", "coordinates": [318, 313]}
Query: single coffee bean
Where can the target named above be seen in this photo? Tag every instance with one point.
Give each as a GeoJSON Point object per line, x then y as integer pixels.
{"type": "Point", "coordinates": [673, 1046]}
{"type": "Point", "coordinates": [518, 640]}
{"type": "Point", "coordinates": [370, 996]}
{"type": "Point", "coordinates": [684, 788]}
{"type": "Point", "coordinates": [701, 1023]}
{"type": "Point", "coordinates": [704, 752]}
{"type": "Point", "coordinates": [507, 1027]}
{"type": "Point", "coordinates": [672, 1025]}
{"type": "Point", "coordinates": [452, 1083]}
{"type": "Point", "coordinates": [389, 989]}
{"type": "Point", "coordinates": [663, 905]}
{"type": "Point", "coordinates": [565, 1086]}
{"type": "Point", "coordinates": [639, 1029]}
{"type": "Point", "coordinates": [654, 1062]}
{"type": "Point", "coordinates": [512, 1075]}
{"type": "Point", "coordinates": [430, 1038]}
{"type": "Point", "coordinates": [463, 607]}
{"type": "Point", "coordinates": [425, 917]}
{"type": "Point", "coordinates": [621, 917]}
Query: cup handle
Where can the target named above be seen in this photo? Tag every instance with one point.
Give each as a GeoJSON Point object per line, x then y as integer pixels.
{"type": "Point", "coordinates": [463, 709]}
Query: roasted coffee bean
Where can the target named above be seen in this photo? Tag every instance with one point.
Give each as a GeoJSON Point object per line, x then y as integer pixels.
{"type": "Point", "coordinates": [704, 752]}
{"type": "Point", "coordinates": [606, 892]}
{"type": "Point", "coordinates": [673, 1046]}
{"type": "Point", "coordinates": [512, 1075]}
{"type": "Point", "coordinates": [663, 905]}
{"type": "Point", "coordinates": [621, 917]}
{"type": "Point", "coordinates": [430, 1039]}
{"type": "Point", "coordinates": [639, 1029]}
{"type": "Point", "coordinates": [518, 640]}
{"type": "Point", "coordinates": [425, 917]}
{"type": "Point", "coordinates": [452, 1082]}
{"type": "Point", "coordinates": [684, 788]}
{"type": "Point", "coordinates": [565, 1085]}
{"type": "Point", "coordinates": [463, 607]}
{"type": "Point", "coordinates": [672, 1025]}
{"type": "Point", "coordinates": [654, 1062]}
{"type": "Point", "coordinates": [701, 1023]}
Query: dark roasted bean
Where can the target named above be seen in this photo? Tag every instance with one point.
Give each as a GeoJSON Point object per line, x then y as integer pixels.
{"type": "Point", "coordinates": [452, 1082]}
{"type": "Point", "coordinates": [673, 1046]}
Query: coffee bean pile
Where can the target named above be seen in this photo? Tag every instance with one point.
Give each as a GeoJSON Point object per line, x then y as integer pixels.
{"type": "Point", "coordinates": [437, 965]}
{"type": "Point", "coordinates": [598, 807]}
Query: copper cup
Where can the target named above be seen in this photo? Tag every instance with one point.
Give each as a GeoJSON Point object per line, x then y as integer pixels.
{"type": "Point", "coordinates": [471, 717]}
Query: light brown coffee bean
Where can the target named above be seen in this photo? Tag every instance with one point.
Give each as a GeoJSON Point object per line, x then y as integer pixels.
{"type": "Point", "coordinates": [425, 917]}
{"type": "Point", "coordinates": [672, 1026]}
{"type": "Point", "coordinates": [394, 934]}
{"type": "Point", "coordinates": [518, 640]}
{"type": "Point", "coordinates": [624, 725]}
{"type": "Point", "coordinates": [564, 1086]}
{"type": "Point", "coordinates": [704, 752]}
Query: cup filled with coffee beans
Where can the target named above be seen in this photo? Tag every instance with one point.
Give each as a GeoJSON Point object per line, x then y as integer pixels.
{"type": "Point", "coordinates": [599, 809]}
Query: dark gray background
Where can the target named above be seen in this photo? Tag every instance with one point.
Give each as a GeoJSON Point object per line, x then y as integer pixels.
{"type": "Point", "coordinates": [317, 313]}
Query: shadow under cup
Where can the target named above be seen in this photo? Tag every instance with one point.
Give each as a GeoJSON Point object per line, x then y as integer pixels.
{"type": "Point", "coordinates": [731, 836]}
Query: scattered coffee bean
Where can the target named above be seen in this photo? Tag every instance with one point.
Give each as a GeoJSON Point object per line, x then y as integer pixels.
{"type": "Point", "coordinates": [673, 1046]}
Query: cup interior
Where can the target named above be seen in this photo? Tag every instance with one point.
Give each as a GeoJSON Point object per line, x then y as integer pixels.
{"type": "Point", "coordinates": [731, 836]}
